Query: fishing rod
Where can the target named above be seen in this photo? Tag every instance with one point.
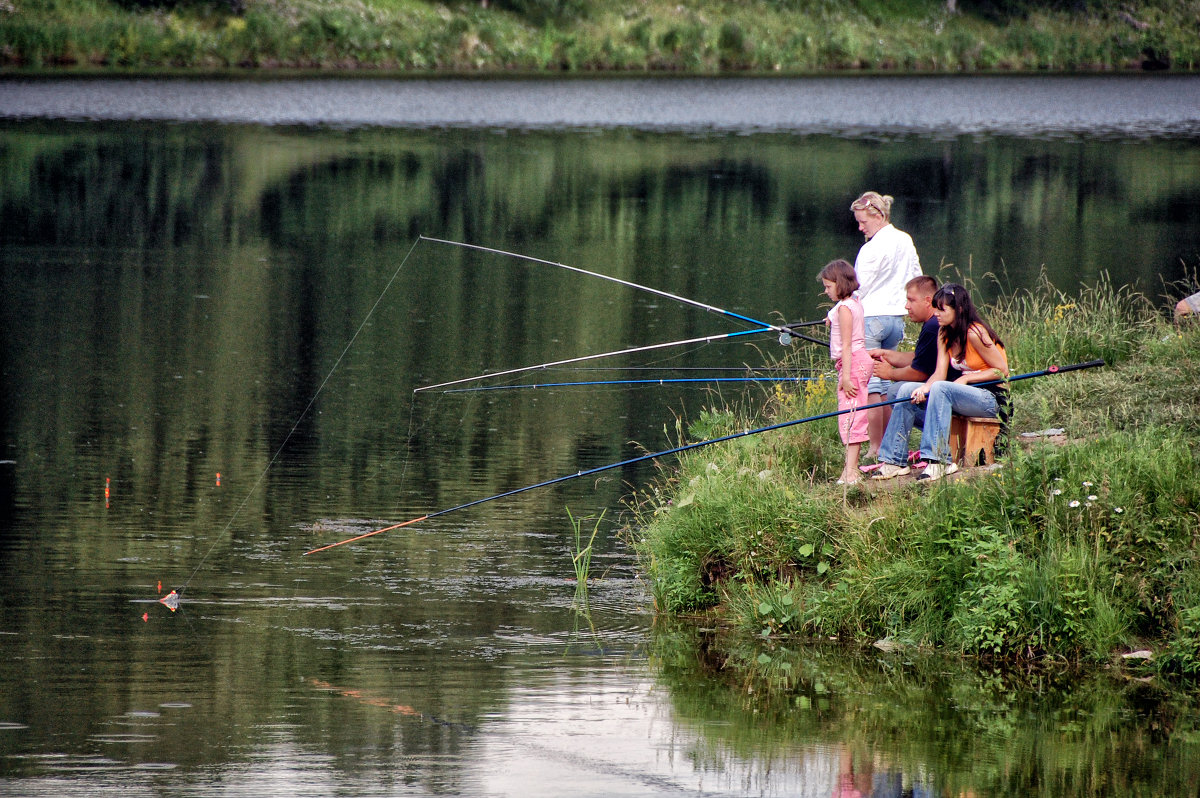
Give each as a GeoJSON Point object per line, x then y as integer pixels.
{"type": "Point", "coordinates": [685, 448]}
{"type": "Point", "coordinates": [790, 333]}
{"type": "Point", "coordinates": [643, 381]}
{"type": "Point", "coordinates": [657, 292]}
{"type": "Point", "coordinates": [786, 332]}
{"type": "Point", "coordinates": [706, 339]}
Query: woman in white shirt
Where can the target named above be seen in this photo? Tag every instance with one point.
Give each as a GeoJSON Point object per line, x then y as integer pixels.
{"type": "Point", "coordinates": [884, 265]}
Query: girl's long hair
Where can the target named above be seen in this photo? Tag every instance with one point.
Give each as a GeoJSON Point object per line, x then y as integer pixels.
{"type": "Point", "coordinates": [954, 335]}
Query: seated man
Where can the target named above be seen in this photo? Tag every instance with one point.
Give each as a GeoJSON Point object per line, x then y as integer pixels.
{"type": "Point", "coordinates": [907, 370]}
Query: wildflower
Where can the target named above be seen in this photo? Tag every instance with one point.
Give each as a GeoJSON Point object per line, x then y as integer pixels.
{"type": "Point", "coordinates": [1074, 503]}
{"type": "Point", "coordinates": [1093, 497]}
{"type": "Point", "coordinates": [1087, 484]}
{"type": "Point", "coordinates": [1056, 492]}
{"type": "Point", "coordinates": [1118, 510]}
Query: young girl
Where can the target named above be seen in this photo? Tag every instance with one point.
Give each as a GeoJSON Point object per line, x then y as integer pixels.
{"type": "Point", "coordinates": [848, 350]}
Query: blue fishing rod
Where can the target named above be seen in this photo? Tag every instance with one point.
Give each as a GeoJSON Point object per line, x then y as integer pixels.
{"type": "Point", "coordinates": [787, 332]}
{"type": "Point", "coordinates": [643, 381]}
{"type": "Point", "coordinates": [685, 448]}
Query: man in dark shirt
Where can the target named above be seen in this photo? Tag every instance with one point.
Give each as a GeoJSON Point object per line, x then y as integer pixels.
{"type": "Point", "coordinates": [917, 365]}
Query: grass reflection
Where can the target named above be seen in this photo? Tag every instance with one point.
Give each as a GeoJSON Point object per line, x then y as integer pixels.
{"type": "Point", "coordinates": [938, 724]}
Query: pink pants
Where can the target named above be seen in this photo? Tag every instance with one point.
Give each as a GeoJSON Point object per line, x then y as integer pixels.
{"type": "Point", "coordinates": [853, 425]}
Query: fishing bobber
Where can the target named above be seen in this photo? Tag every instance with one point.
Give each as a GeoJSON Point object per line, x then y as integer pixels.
{"type": "Point", "coordinates": [972, 436]}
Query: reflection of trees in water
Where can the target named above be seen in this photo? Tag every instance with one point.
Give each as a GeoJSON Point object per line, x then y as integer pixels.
{"type": "Point", "coordinates": [943, 722]}
{"type": "Point", "coordinates": [218, 271]}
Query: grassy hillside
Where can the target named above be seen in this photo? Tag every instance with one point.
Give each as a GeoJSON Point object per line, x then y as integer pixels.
{"type": "Point", "coordinates": [1071, 551]}
{"type": "Point", "coordinates": [535, 36]}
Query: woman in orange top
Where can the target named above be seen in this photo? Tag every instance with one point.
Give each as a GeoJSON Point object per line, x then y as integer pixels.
{"type": "Point", "coordinates": [968, 343]}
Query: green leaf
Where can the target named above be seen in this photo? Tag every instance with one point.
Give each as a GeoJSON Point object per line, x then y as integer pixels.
{"type": "Point", "coordinates": [822, 567]}
{"type": "Point", "coordinates": [685, 501]}
{"type": "Point", "coordinates": [764, 608]}
{"type": "Point", "coordinates": [764, 659]}
{"type": "Point", "coordinates": [787, 601]}
{"type": "Point", "coordinates": [806, 550]}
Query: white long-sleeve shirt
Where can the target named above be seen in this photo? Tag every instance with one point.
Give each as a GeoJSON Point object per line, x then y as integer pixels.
{"type": "Point", "coordinates": [884, 265]}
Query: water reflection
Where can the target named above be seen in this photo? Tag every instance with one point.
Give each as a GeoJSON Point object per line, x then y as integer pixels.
{"type": "Point", "coordinates": [918, 724]}
{"type": "Point", "coordinates": [177, 298]}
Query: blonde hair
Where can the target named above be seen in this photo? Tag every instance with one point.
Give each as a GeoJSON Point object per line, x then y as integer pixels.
{"type": "Point", "coordinates": [874, 202]}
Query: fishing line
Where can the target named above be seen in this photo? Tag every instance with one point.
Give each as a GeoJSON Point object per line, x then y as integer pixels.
{"type": "Point", "coordinates": [684, 448]}
{"type": "Point", "coordinates": [299, 418]}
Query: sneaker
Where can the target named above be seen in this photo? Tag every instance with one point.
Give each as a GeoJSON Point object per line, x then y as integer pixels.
{"type": "Point", "coordinates": [938, 470]}
{"type": "Point", "coordinates": [889, 470]}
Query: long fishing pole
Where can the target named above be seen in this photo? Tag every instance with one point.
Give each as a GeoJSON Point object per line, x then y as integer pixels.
{"type": "Point", "coordinates": [787, 332]}
{"type": "Point", "coordinates": [685, 448]}
{"type": "Point", "coordinates": [694, 303]}
{"type": "Point", "coordinates": [643, 381]}
{"type": "Point", "coordinates": [706, 339]}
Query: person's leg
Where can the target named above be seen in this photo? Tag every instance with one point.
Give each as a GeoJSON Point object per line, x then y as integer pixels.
{"type": "Point", "coordinates": [850, 472]}
{"type": "Point", "coordinates": [894, 446]}
{"type": "Point", "coordinates": [945, 399]}
{"type": "Point", "coordinates": [880, 332]}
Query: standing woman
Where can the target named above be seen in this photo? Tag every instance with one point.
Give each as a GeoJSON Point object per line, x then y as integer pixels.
{"type": "Point", "coordinates": [884, 265]}
{"type": "Point", "coordinates": [966, 342]}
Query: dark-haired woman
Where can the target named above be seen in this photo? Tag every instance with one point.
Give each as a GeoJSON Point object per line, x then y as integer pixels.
{"type": "Point", "coordinates": [966, 342]}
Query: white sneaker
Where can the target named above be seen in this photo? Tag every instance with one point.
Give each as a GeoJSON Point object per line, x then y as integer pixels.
{"type": "Point", "coordinates": [890, 470]}
{"type": "Point", "coordinates": [938, 470]}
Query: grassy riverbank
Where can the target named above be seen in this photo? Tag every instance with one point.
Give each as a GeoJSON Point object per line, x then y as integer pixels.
{"type": "Point", "coordinates": [535, 36]}
{"type": "Point", "coordinates": [1071, 551]}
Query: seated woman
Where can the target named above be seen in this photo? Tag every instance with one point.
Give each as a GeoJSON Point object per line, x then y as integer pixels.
{"type": "Point", "coordinates": [966, 342]}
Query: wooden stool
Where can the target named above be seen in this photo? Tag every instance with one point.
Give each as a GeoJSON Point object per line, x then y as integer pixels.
{"type": "Point", "coordinates": [971, 436]}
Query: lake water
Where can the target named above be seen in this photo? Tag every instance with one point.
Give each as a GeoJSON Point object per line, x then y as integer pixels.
{"type": "Point", "coordinates": [218, 305]}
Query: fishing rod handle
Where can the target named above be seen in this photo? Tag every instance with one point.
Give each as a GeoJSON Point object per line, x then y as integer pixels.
{"type": "Point", "coordinates": [1072, 367]}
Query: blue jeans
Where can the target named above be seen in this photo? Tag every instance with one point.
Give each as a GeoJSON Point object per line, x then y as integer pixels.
{"type": "Point", "coordinates": [882, 332]}
{"type": "Point", "coordinates": [944, 400]}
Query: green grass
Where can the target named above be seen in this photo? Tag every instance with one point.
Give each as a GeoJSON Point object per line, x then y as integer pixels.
{"type": "Point", "coordinates": [707, 37]}
{"type": "Point", "coordinates": [1067, 553]}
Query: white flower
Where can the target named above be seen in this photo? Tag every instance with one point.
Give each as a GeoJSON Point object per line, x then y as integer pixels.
{"type": "Point", "coordinates": [1056, 492]}
{"type": "Point", "coordinates": [1118, 510]}
{"type": "Point", "coordinates": [1087, 484]}
{"type": "Point", "coordinates": [1074, 503]}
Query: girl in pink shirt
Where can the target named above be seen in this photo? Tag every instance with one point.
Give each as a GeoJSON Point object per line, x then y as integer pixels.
{"type": "Point", "coordinates": [848, 349]}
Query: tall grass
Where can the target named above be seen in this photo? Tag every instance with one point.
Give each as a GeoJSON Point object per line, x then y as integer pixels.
{"type": "Point", "coordinates": [1067, 552]}
{"type": "Point", "coordinates": [569, 35]}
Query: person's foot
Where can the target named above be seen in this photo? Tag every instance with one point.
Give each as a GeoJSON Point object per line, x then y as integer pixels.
{"type": "Point", "coordinates": [890, 471]}
{"type": "Point", "coordinates": [938, 470]}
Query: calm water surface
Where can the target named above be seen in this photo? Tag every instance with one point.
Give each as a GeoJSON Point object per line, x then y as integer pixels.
{"type": "Point", "coordinates": [217, 309]}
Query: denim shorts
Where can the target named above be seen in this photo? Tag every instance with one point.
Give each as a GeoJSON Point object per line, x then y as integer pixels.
{"type": "Point", "coordinates": [882, 332]}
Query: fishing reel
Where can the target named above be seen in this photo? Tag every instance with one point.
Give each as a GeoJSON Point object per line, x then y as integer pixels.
{"type": "Point", "coordinates": [788, 332]}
